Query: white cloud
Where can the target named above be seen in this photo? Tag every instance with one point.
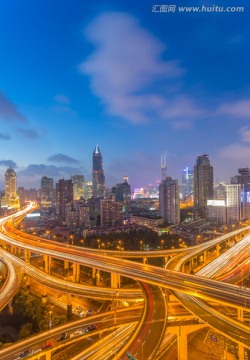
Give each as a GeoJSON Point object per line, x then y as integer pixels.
{"type": "Point", "coordinates": [239, 108]}
{"type": "Point", "coordinates": [236, 152]}
{"type": "Point", "coordinates": [126, 64]}
{"type": "Point", "coordinates": [245, 133]}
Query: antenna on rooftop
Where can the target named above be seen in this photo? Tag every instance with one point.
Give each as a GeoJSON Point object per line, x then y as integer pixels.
{"type": "Point", "coordinates": [163, 166]}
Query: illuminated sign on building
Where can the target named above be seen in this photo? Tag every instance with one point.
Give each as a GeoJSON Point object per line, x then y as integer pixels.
{"type": "Point", "coordinates": [33, 215]}
{"type": "Point", "coordinates": [216, 203]}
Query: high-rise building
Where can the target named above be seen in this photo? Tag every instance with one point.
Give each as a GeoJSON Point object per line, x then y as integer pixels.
{"type": "Point", "coordinates": [98, 178]}
{"type": "Point", "coordinates": [10, 185]}
{"type": "Point", "coordinates": [11, 198]}
{"type": "Point", "coordinates": [169, 201]}
{"type": "Point", "coordinates": [64, 197]}
{"type": "Point", "coordinates": [203, 185]}
{"type": "Point", "coordinates": [233, 203]}
{"type": "Point", "coordinates": [122, 194]}
{"type": "Point", "coordinates": [88, 191]}
{"type": "Point", "coordinates": [47, 191]}
{"type": "Point", "coordinates": [187, 183]}
{"type": "Point", "coordinates": [244, 180]}
{"type": "Point", "coordinates": [78, 186]}
{"type": "Point", "coordinates": [111, 212]}
{"type": "Point", "coordinates": [226, 207]}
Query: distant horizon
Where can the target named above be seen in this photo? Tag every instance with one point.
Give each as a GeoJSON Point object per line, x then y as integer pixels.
{"type": "Point", "coordinates": [121, 180]}
{"type": "Point", "coordinates": [138, 82]}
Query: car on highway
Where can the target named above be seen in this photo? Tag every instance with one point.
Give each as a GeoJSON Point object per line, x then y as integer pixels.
{"type": "Point", "coordinates": [47, 345]}
{"type": "Point", "coordinates": [62, 337]}
{"type": "Point", "coordinates": [24, 354]}
{"type": "Point", "coordinates": [91, 327]}
{"type": "Point", "coordinates": [89, 312]}
{"type": "Point", "coordinates": [75, 334]}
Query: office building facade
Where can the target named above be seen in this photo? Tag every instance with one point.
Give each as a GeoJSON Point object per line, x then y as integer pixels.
{"type": "Point", "coordinates": [243, 179]}
{"type": "Point", "coordinates": [78, 186]}
{"type": "Point", "coordinates": [187, 183]}
{"type": "Point", "coordinates": [47, 191]}
{"type": "Point", "coordinates": [169, 201]}
{"type": "Point", "coordinates": [203, 185]}
{"type": "Point", "coordinates": [64, 197]}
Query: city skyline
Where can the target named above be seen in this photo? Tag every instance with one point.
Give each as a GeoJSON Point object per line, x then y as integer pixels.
{"type": "Point", "coordinates": [137, 83]}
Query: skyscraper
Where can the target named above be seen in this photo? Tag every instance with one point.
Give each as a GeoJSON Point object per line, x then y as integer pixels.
{"type": "Point", "coordinates": [88, 191]}
{"type": "Point", "coordinates": [244, 180]}
{"type": "Point", "coordinates": [64, 196]}
{"type": "Point", "coordinates": [11, 198]}
{"type": "Point", "coordinates": [98, 174]}
{"type": "Point", "coordinates": [187, 182]}
{"type": "Point", "coordinates": [78, 186]}
{"type": "Point", "coordinates": [111, 212]}
{"type": "Point", "coordinates": [10, 184]}
{"type": "Point", "coordinates": [122, 194]}
{"type": "Point", "coordinates": [169, 201]}
{"type": "Point", "coordinates": [203, 185]}
{"type": "Point", "coordinates": [47, 191]}
{"type": "Point", "coordinates": [233, 203]}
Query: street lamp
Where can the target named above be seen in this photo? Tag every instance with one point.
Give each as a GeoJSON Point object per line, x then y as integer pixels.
{"type": "Point", "coordinates": [141, 245]}
{"type": "Point", "coordinates": [50, 319]}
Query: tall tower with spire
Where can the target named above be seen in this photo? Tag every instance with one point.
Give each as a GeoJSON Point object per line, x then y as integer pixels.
{"type": "Point", "coordinates": [98, 178]}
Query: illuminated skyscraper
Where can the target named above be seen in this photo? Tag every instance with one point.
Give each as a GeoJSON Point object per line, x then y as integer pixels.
{"type": "Point", "coordinates": [47, 191]}
{"type": "Point", "coordinates": [203, 185]}
{"type": "Point", "coordinates": [169, 201]}
{"type": "Point", "coordinates": [187, 182]}
{"type": "Point", "coordinates": [78, 186]}
{"type": "Point", "coordinates": [88, 191]}
{"type": "Point", "coordinates": [122, 194]}
{"type": "Point", "coordinates": [111, 212]}
{"type": "Point", "coordinates": [98, 174]}
{"type": "Point", "coordinates": [243, 178]}
{"type": "Point", "coordinates": [10, 185]}
{"type": "Point", "coordinates": [11, 198]}
{"type": "Point", "coordinates": [64, 196]}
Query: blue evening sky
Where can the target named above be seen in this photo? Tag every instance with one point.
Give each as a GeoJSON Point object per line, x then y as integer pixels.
{"type": "Point", "coordinates": [76, 73]}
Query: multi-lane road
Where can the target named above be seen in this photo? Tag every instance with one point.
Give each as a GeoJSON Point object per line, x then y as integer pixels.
{"type": "Point", "coordinates": [183, 284]}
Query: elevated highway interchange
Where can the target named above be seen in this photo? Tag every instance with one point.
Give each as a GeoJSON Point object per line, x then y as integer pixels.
{"type": "Point", "coordinates": [176, 281]}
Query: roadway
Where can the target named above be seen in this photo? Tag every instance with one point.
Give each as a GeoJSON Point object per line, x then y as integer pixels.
{"type": "Point", "coordinates": [209, 289]}
{"type": "Point", "coordinates": [174, 280]}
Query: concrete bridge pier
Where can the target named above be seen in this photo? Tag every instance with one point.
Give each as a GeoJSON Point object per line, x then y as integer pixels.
{"type": "Point", "coordinates": [76, 272]}
{"type": "Point", "coordinates": [240, 315]}
{"type": "Point", "coordinates": [182, 334]}
{"type": "Point", "coordinates": [27, 256]}
{"type": "Point", "coordinates": [94, 276]}
{"type": "Point", "coordinates": [48, 355]}
{"type": "Point", "coordinates": [47, 263]}
{"type": "Point", "coordinates": [241, 352]}
{"type": "Point", "coordinates": [204, 258]}
{"type": "Point", "coordinates": [115, 281]}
